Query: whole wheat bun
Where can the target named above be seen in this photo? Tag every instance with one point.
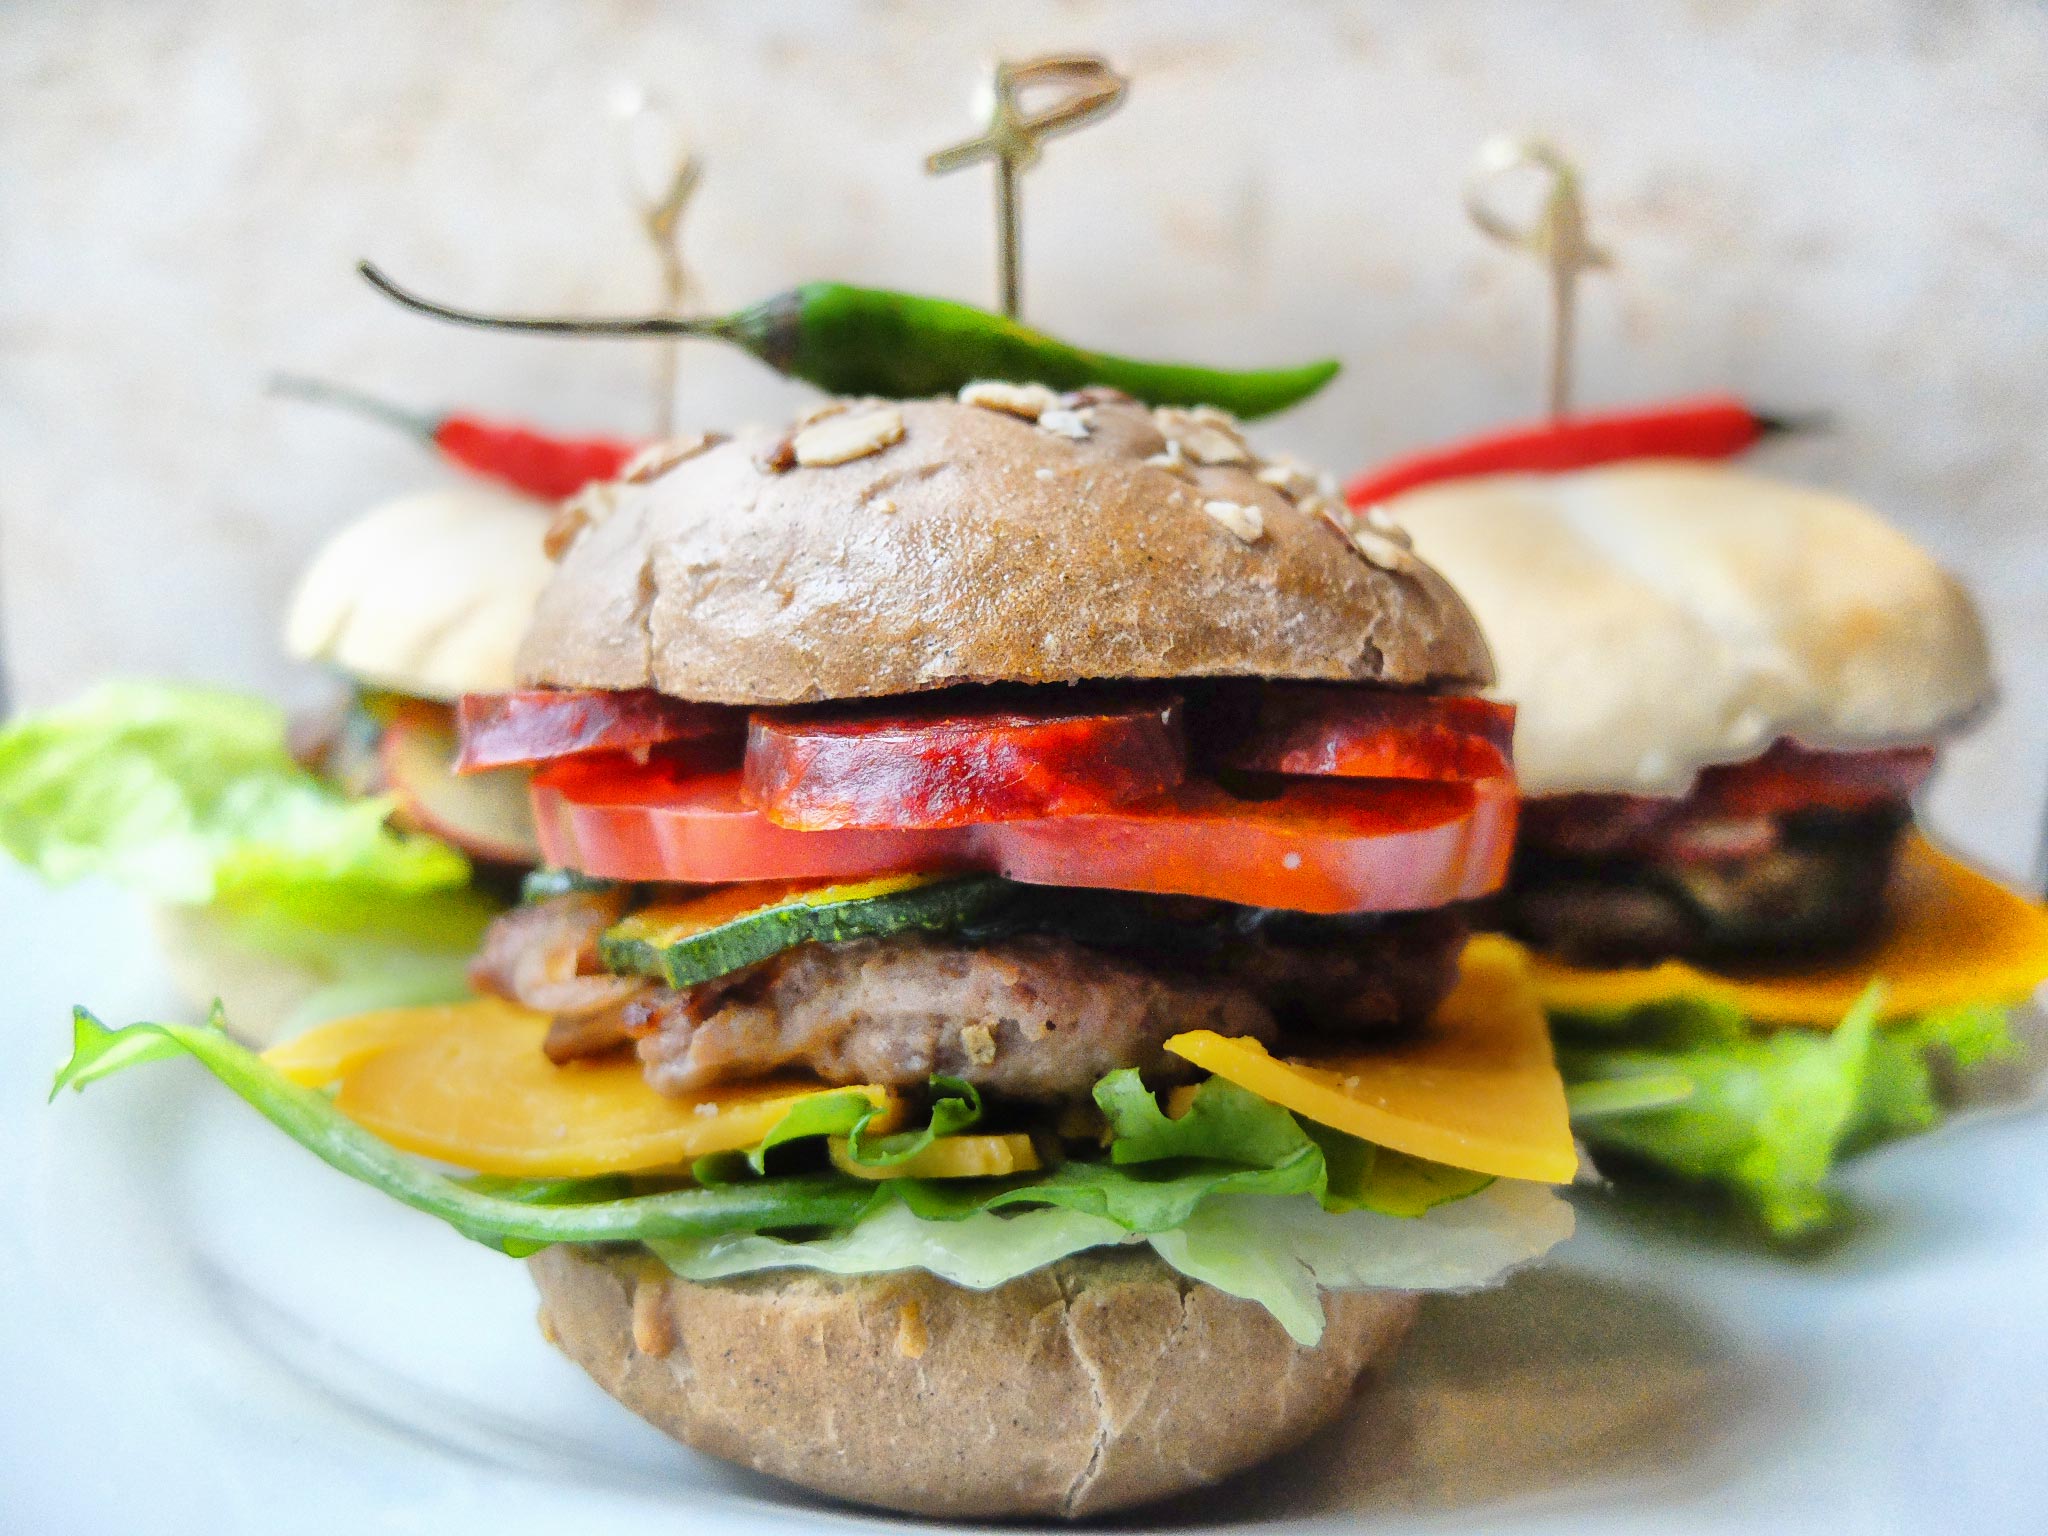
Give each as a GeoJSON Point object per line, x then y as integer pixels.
{"type": "Point", "coordinates": [426, 595]}
{"type": "Point", "coordinates": [1103, 1381]}
{"type": "Point", "coordinates": [1651, 618]}
{"type": "Point", "coordinates": [983, 546]}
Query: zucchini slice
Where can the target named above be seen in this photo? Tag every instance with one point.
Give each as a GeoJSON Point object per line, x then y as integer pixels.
{"type": "Point", "coordinates": [735, 926]}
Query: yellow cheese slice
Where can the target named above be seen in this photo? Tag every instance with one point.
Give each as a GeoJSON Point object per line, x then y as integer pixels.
{"type": "Point", "coordinates": [1478, 1089]}
{"type": "Point", "coordinates": [1954, 937]}
{"type": "Point", "coordinates": [329, 1052]}
{"type": "Point", "coordinates": [467, 1083]}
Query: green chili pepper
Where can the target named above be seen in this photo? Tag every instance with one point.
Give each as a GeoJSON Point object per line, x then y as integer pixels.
{"type": "Point", "coordinates": [869, 341]}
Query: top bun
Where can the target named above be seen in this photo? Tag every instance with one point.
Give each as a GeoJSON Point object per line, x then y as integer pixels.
{"type": "Point", "coordinates": [1652, 618]}
{"type": "Point", "coordinates": [1008, 536]}
{"type": "Point", "coordinates": [426, 595]}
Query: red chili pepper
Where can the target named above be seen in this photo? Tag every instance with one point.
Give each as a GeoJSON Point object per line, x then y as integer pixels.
{"type": "Point", "coordinates": [530, 461]}
{"type": "Point", "coordinates": [537, 463]}
{"type": "Point", "coordinates": [1708, 427]}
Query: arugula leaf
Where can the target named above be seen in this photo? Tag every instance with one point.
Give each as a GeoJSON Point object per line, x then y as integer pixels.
{"type": "Point", "coordinates": [1222, 1122]}
{"type": "Point", "coordinates": [833, 1114]}
{"type": "Point", "coordinates": [511, 1222]}
{"type": "Point", "coordinates": [956, 1107]}
{"type": "Point", "coordinates": [846, 1114]}
{"type": "Point", "coordinates": [1160, 1168]}
{"type": "Point", "coordinates": [1767, 1114]}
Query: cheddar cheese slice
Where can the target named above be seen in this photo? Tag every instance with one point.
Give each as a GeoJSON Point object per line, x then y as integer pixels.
{"type": "Point", "coordinates": [1478, 1089]}
{"type": "Point", "coordinates": [329, 1052]}
{"type": "Point", "coordinates": [467, 1083]}
{"type": "Point", "coordinates": [1954, 937]}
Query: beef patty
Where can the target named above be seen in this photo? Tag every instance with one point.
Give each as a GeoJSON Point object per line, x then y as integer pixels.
{"type": "Point", "coordinates": [1030, 1014]}
{"type": "Point", "coordinates": [1773, 890]}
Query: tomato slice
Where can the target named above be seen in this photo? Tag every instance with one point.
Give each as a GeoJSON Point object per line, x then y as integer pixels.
{"type": "Point", "coordinates": [1790, 778]}
{"type": "Point", "coordinates": [537, 725]}
{"type": "Point", "coordinates": [487, 815]}
{"type": "Point", "coordinates": [1314, 846]}
{"type": "Point", "coordinates": [611, 817]}
{"type": "Point", "coordinates": [820, 770]}
{"type": "Point", "coordinates": [1372, 733]}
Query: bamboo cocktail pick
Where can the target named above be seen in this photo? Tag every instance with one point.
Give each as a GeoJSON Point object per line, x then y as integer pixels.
{"type": "Point", "coordinates": [662, 173]}
{"type": "Point", "coordinates": [1087, 89]}
{"type": "Point", "coordinates": [1556, 235]}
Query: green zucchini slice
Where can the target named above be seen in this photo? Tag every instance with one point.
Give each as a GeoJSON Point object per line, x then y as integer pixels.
{"type": "Point", "coordinates": [735, 926]}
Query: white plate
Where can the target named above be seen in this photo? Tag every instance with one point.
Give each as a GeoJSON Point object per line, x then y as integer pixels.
{"type": "Point", "coordinates": [202, 1329]}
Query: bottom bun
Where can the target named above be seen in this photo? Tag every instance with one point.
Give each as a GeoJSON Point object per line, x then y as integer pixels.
{"type": "Point", "coordinates": [1103, 1381]}
{"type": "Point", "coordinates": [258, 992]}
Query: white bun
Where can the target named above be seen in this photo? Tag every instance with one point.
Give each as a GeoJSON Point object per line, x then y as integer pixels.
{"type": "Point", "coordinates": [427, 595]}
{"type": "Point", "coordinates": [1651, 618]}
{"type": "Point", "coordinates": [259, 992]}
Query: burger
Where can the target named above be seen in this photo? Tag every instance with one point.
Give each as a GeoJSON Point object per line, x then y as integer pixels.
{"type": "Point", "coordinates": [419, 602]}
{"type": "Point", "coordinates": [1729, 691]}
{"type": "Point", "coordinates": [299, 871]}
{"type": "Point", "coordinates": [995, 1033]}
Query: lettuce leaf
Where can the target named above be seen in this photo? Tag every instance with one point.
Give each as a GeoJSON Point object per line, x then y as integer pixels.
{"type": "Point", "coordinates": [977, 1249]}
{"type": "Point", "coordinates": [190, 795]}
{"type": "Point", "coordinates": [1902, 1090]}
{"type": "Point", "coordinates": [1280, 1253]}
{"type": "Point", "coordinates": [1162, 1174]}
{"type": "Point", "coordinates": [1768, 1113]}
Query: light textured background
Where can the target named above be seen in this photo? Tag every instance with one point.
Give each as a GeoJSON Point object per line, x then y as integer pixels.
{"type": "Point", "coordinates": [1832, 206]}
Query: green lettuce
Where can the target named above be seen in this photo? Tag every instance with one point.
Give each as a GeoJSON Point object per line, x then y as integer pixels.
{"type": "Point", "coordinates": [1280, 1252]}
{"type": "Point", "coordinates": [190, 797]}
{"type": "Point", "coordinates": [956, 1107]}
{"type": "Point", "coordinates": [1693, 1088]}
{"type": "Point", "coordinates": [1162, 1175]}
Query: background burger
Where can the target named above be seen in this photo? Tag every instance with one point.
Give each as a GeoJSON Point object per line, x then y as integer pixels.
{"type": "Point", "coordinates": [415, 604]}
{"type": "Point", "coordinates": [1729, 689]}
{"type": "Point", "coordinates": [997, 1036]}
{"type": "Point", "coordinates": [303, 873]}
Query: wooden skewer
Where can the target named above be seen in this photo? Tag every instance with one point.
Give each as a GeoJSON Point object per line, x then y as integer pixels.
{"type": "Point", "coordinates": [1014, 139]}
{"type": "Point", "coordinates": [1557, 236]}
{"type": "Point", "coordinates": [662, 174]}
